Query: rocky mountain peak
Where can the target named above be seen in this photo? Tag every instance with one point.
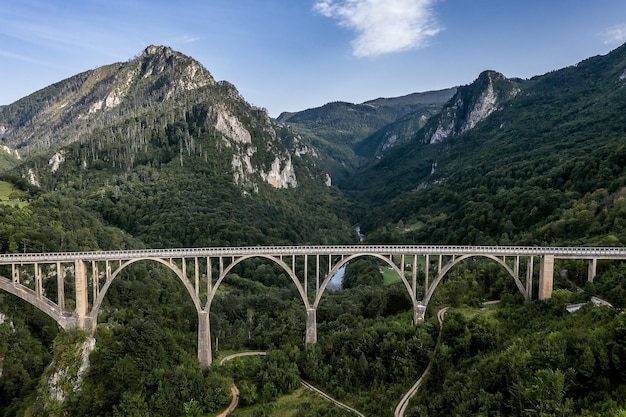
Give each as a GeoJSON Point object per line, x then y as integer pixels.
{"type": "Point", "coordinates": [158, 50]}
{"type": "Point", "coordinates": [156, 60]}
{"type": "Point", "coordinates": [470, 105]}
{"type": "Point", "coordinates": [68, 110]}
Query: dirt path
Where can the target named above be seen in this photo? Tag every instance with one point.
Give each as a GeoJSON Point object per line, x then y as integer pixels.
{"type": "Point", "coordinates": [233, 402]}
{"type": "Point", "coordinates": [404, 402]}
{"type": "Point", "coordinates": [235, 391]}
{"type": "Point", "coordinates": [329, 398]}
{"type": "Point", "coordinates": [237, 355]}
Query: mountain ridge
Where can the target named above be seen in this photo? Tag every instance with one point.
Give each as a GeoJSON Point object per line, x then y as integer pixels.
{"type": "Point", "coordinates": [342, 132]}
{"type": "Point", "coordinates": [548, 149]}
{"type": "Point", "coordinates": [91, 96]}
{"type": "Point", "coordinates": [479, 120]}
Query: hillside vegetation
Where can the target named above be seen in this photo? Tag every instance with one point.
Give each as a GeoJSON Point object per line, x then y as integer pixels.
{"type": "Point", "coordinates": [155, 153]}
{"type": "Point", "coordinates": [547, 168]}
{"type": "Point", "coordinates": [348, 135]}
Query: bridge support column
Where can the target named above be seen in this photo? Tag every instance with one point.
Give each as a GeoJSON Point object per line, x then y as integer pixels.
{"type": "Point", "coordinates": [205, 356]}
{"type": "Point", "coordinates": [82, 304]}
{"type": "Point", "coordinates": [529, 278]}
{"type": "Point", "coordinates": [311, 326]}
{"type": "Point", "coordinates": [419, 312]}
{"type": "Point", "coordinates": [546, 277]}
{"type": "Point", "coordinates": [591, 269]}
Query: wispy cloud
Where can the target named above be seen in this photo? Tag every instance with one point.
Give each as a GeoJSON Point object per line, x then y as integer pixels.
{"type": "Point", "coordinates": [615, 34]}
{"type": "Point", "coordinates": [183, 39]}
{"type": "Point", "coordinates": [383, 26]}
{"type": "Point", "coordinates": [12, 56]}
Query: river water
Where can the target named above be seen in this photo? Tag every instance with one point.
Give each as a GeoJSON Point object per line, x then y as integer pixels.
{"type": "Point", "coordinates": [335, 281]}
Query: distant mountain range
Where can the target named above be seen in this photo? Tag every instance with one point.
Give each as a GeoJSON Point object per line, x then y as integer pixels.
{"type": "Point", "coordinates": [497, 161]}
{"type": "Point", "coordinates": [348, 135]}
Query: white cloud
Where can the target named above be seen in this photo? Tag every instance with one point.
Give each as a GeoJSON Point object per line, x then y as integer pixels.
{"type": "Point", "coordinates": [615, 34]}
{"type": "Point", "coordinates": [383, 26]}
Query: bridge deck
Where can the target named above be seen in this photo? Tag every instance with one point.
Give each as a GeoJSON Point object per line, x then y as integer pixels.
{"type": "Point", "coordinates": [557, 252]}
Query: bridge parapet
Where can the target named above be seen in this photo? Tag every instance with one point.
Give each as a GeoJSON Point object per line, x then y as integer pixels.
{"type": "Point", "coordinates": [345, 250]}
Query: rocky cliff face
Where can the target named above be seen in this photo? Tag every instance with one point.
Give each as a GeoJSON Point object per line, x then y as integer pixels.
{"type": "Point", "coordinates": [470, 105]}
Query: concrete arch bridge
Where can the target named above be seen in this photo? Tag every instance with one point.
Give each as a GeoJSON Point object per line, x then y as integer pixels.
{"type": "Point", "coordinates": [88, 275]}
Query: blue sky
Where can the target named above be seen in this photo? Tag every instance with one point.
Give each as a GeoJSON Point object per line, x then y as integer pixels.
{"type": "Point", "coordinates": [290, 55]}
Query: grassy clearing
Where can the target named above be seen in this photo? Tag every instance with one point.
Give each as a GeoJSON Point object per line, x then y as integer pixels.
{"type": "Point", "coordinates": [5, 190]}
{"type": "Point", "coordinates": [390, 275]}
{"type": "Point", "coordinates": [6, 196]}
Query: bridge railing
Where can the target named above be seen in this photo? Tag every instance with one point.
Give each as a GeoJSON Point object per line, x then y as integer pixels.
{"type": "Point", "coordinates": [557, 252]}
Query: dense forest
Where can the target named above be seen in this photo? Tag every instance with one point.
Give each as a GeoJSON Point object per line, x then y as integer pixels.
{"type": "Point", "coordinates": [534, 358]}
{"type": "Point", "coordinates": [172, 167]}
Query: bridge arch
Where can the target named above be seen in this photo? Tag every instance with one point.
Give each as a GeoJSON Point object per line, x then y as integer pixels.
{"type": "Point", "coordinates": [179, 273]}
{"type": "Point", "coordinates": [347, 259]}
{"type": "Point", "coordinates": [43, 304]}
{"type": "Point", "coordinates": [431, 289]}
{"type": "Point", "coordinates": [278, 261]}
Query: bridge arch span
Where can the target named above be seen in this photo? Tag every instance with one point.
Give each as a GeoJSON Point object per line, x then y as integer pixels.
{"type": "Point", "coordinates": [431, 289]}
{"type": "Point", "coordinates": [347, 259]}
{"type": "Point", "coordinates": [43, 304]}
{"type": "Point", "coordinates": [179, 273]}
{"type": "Point", "coordinates": [275, 259]}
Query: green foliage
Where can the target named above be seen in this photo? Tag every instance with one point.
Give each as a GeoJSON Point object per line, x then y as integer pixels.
{"type": "Point", "coordinates": [347, 134]}
{"type": "Point", "coordinates": [368, 363]}
{"type": "Point", "coordinates": [264, 378]}
{"type": "Point", "coordinates": [362, 272]}
{"type": "Point", "coordinates": [610, 284]}
{"type": "Point", "coordinates": [547, 168]}
{"type": "Point", "coordinates": [52, 223]}
{"type": "Point", "coordinates": [23, 358]}
{"type": "Point", "coordinates": [547, 364]}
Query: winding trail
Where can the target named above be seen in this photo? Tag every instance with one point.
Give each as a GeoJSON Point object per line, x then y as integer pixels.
{"type": "Point", "coordinates": [238, 355]}
{"type": "Point", "coordinates": [235, 391]}
{"type": "Point", "coordinates": [234, 402]}
{"type": "Point", "coordinates": [404, 402]}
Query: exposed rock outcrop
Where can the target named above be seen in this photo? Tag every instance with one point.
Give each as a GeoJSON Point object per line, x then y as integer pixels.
{"type": "Point", "coordinates": [470, 105]}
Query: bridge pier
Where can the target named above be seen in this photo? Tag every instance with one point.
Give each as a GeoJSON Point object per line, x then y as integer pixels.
{"type": "Point", "coordinates": [546, 277]}
{"type": "Point", "coordinates": [205, 356]}
{"type": "Point", "coordinates": [419, 312]}
{"type": "Point", "coordinates": [311, 326]}
{"type": "Point", "coordinates": [82, 305]}
{"type": "Point", "coordinates": [591, 269]}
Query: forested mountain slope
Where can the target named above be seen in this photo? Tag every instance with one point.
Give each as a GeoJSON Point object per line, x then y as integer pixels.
{"type": "Point", "coordinates": [546, 167]}
{"type": "Point", "coordinates": [339, 130]}
{"type": "Point", "coordinates": [161, 150]}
